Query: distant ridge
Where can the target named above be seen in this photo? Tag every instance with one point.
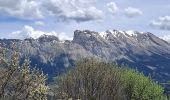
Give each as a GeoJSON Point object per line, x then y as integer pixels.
{"type": "Point", "coordinates": [140, 50]}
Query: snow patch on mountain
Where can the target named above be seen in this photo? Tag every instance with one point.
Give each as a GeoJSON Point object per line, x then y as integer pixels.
{"type": "Point", "coordinates": [103, 34]}
{"type": "Point", "coordinates": [117, 33]}
{"type": "Point", "coordinates": [131, 33]}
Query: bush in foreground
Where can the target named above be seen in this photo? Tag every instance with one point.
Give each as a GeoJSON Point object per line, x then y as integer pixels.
{"type": "Point", "coordinates": [139, 87]}
{"type": "Point", "coordinates": [92, 80]}
{"type": "Point", "coordinates": [18, 82]}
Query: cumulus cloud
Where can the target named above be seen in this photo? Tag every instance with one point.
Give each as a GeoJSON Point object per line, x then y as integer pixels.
{"type": "Point", "coordinates": [166, 37]}
{"type": "Point", "coordinates": [64, 36]}
{"type": "Point", "coordinates": [78, 10]}
{"type": "Point", "coordinates": [30, 32]}
{"type": "Point", "coordinates": [132, 12]}
{"type": "Point", "coordinates": [85, 14]}
{"type": "Point", "coordinates": [25, 9]}
{"type": "Point", "coordinates": [162, 22]}
{"type": "Point", "coordinates": [112, 7]}
{"type": "Point", "coordinates": [39, 23]}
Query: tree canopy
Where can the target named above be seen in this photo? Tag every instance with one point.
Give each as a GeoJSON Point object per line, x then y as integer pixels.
{"type": "Point", "coordinates": [93, 80]}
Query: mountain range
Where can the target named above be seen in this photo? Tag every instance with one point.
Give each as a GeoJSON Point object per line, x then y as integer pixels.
{"type": "Point", "coordinates": [139, 50]}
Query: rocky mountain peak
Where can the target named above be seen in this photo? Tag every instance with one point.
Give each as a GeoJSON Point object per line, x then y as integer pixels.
{"type": "Point", "coordinates": [47, 38]}
{"type": "Point", "coordinates": [84, 35]}
{"type": "Point", "coordinates": [85, 32]}
{"type": "Point", "coordinates": [143, 51]}
{"type": "Point", "coordinates": [111, 35]}
{"type": "Point", "coordinates": [132, 33]}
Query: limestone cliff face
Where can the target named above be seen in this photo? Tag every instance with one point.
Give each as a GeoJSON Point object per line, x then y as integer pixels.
{"type": "Point", "coordinates": [142, 51]}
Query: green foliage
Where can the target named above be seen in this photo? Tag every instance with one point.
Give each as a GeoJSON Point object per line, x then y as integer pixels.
{"type": "Point", "coordinates": [92, 80]}
{"type": "Point", "coordinates": [18, 82]}
{"type": "Point", "coordinates": [139, 87]}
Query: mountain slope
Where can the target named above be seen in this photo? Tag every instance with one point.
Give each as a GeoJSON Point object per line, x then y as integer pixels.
{"type": "Point", "coordinates": [142, 51]}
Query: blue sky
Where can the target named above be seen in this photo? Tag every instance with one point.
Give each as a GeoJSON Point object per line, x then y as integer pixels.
{"type": "Point", "coordinates": [32, 18]}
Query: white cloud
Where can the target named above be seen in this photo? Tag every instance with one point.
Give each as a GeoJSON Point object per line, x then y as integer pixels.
{"type": "Point", "coordinates": [166, 37]}
{"type": "Point", "coordinates": [25, 9]}
{"type": "Point", "coordinates": [132, 12]}
{"type": "Point", "coordinates": [162, 22]}
{"type": "Point", "coordinates": [39, 23]}
{"type": "Point", "coordinates": [164, 18]}
{"type": "Point", "coordinates": [78, 10]}
{"type": "Point", "coordinates": [64, 36]}
{"type": "Point", "coordinates": [85, 14]}
{"type": "Point", "coordinates": [30, 32]}
{"type": "Point", "coordinates": [112, 7]}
